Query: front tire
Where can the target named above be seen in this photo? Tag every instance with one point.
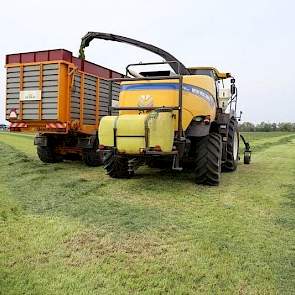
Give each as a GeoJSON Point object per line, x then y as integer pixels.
{"type": "Point", "coordinates": [208, 160]}
{"type": "Point", "coordinates": [232, 147]}
{"type": "Point", "coordinates": [117, 166]}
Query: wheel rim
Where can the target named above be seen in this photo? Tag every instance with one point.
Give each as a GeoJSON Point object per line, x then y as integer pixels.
{"type": "Point", "coordinates": [236, 146]}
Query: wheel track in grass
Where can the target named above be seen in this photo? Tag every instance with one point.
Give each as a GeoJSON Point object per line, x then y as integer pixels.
{"type": "Point", "coordinates": [262, 262]}
{"type": "Point", "coordinates": [280, 140]}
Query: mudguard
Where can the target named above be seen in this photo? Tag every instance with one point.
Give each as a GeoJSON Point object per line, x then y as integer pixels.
{"type": "Point", "coordinates": [197, 129]}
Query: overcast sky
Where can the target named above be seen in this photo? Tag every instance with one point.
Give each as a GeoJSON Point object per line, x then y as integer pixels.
{"type": "Point", "coordinates": [254, 40]}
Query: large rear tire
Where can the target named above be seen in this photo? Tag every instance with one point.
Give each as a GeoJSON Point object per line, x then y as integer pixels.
{"type": "Point", "coordinates": [208, 160]}
{"type": "Point", "coordinates": [47, 155]}
{"type": "Point", "coordinates": [117, 166]}
{"type": "Point", "coordinates": [232, 154]}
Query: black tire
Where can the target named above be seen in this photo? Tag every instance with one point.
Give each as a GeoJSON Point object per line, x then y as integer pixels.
{"type": "Point", "coordinates": [92, 158]}
{"type": "Point", "coordinates": [117, 166]}
{"type": "Point", "coordinates": [247, 159]}
{"type": "Point", "coordinates": [232, 153]}
{"type": "Point", "coordinates": [208, 160]}
{"type": "Point", "coordinates": [47, 155]}
{"type": "Point", "coordinates": [72, 157]}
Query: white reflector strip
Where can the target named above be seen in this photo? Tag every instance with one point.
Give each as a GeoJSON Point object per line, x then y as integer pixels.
{"type": "Point", "coordinates": [18, 125]}
{"type": "Point", "coordinates": [56, 125]}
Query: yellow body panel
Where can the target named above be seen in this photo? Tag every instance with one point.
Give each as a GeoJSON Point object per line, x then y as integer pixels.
{"type": "Point", "coordinates": [161, 131]}
{"type": "Point", "coordinates": [218, 74]}
{"type": "Point", "coordinates": [131, 125]}
{"type": "Point", "coordinates": [135, 133]}
{"type": "Point", "coordinates": [198, 99]}
{"type": "Point", "coordinates": [106, 130]}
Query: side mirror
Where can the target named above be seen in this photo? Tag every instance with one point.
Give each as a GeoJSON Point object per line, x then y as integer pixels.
{"type": "Point", "coordinates": [240, 117]}
{"type": "Point", "coordinates": [233, 88]}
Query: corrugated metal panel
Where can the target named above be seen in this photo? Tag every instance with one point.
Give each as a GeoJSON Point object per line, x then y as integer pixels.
{"type": "Point", "coordinates": [31, 81]}
{"type": "Point", "coordinates": [49, 91]}
{"type": "Point", "coordinates": [14, 80]}
{"type": "Point", "coordinates": [12, 85]}
{"type": "Point", "coordinates": [50, 67]}
{"type": "Point", "coordinates": [90, 99]}
{"type": "Point", "coordinates": [31, 85]}
{"type": "Point", "coordinates": [30, 110]}
{"type": "Point", "coordinates": [31, 78]}
{"type": "Point", "coordinates": [49, 94]}
{"type": "Point", "coordinates": [12, 90]}
{"type": "Point", "coordinates": [50, 117]}
{"type": "Point", "coordinates": [89, 121]}
{"type": "Point", "coordinates": [50, 72]}
{"type": "Point", "coordinates": [75, 97]}
{"type": "Point", "coordinates": [31, 68]}
{"type": "Point", "coordinates": [104, 102]}
{"type": "Point", "coordinates": [30, 117]}
{"type": "Point", "coordinates": [13, 70]}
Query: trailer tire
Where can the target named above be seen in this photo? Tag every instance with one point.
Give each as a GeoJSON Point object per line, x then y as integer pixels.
{"type": "Point", "coordinates": [232, 148]}
{"type": "Point", "coordinates": [92, 158]}
{"type": "Point", "coordinates": [47, 155]}
{"type": "Point", "coordinates": [117, 166]}
{"type": "Point", "coordinates": [208, 160]}
{"type": "Point", "coordinates": [72, 157]}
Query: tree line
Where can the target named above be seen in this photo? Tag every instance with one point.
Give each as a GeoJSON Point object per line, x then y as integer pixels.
{"type": "Point", "coordinates": [267, 127]}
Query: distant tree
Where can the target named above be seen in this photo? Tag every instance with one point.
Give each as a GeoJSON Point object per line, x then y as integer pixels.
{"type": "Point", "coordinates": [267, 127]}
{"type": "Point", "coordinates": [263, 126]}
{"type": "Point", "coordinates": [274, 127]}
{"type": "Point", "coordinates": [247, 127]}
{"type": "Point", "coordinates": [286, 126]}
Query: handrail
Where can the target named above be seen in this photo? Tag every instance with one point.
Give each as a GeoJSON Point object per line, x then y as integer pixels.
{"type": "Point", "coordinates": [177, 108]}
{"type": "Point", "coordinates": [112, 37]}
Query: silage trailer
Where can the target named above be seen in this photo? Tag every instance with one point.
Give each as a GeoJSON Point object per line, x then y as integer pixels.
{"type": "Point", "coordinates": [62, 98]}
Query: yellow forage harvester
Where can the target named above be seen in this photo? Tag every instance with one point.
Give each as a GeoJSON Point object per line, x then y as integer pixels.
{"type": "Point", "coordinates": [185, 117]}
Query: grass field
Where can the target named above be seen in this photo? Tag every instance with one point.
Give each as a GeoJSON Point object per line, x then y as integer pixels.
{"type": "Point", "coordinates": [69, 229]}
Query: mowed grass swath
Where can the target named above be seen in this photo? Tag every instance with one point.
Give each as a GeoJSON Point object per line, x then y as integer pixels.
{"type": "Point", "coordinates": [70, 229]}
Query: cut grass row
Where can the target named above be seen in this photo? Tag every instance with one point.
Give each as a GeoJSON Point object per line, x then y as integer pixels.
{"type": "Point", "coordinates": [69, 229]}
{"type": "Point", "coordinates": [258, 140]}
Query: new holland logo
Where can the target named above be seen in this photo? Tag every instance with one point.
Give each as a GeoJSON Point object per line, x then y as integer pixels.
{"type": "Point", "coordinates": [145, 100]}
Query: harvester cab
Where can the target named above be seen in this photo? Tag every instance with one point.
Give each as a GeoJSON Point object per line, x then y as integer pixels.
{"type": "Point", "coordinates": [184, 118]}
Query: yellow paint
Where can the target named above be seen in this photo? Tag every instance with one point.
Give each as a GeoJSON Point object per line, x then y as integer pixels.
{"type": "Point", "coordinates": [218, 74]}
{"type": "Point", "coordinates": [193, 105]}
{"type": "Point", "coordinates": [161, 130]}
{"type": "Point", "coordinates": [131, 125]}
{"type": "Point", "coordinates": [106, 130]}
{"type": "Point", "coordinates": [134, 133]}
{"type": "Point", "coordinates": [63, 93]}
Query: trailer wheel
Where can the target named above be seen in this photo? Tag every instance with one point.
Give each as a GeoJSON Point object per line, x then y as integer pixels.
{"type": "Point", "coordinates": [208, 160]}
{"type": "Point", "coordinates": [92, 158]}
{"type": "Point", "coordinates": [47, 155]}
{"type": "Point", "coordinates": [72, 157]}
{"type": "Point", "coordinates": [117, 166]}
{"type": "Point", "coordinates": [232, 155]}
